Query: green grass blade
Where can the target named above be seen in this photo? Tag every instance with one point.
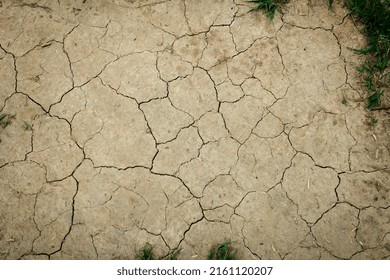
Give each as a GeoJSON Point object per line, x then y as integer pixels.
{"type": "Point", "coordinates": [269, 6]}
{"type": "Point", "coordinates": [146, 253]}
{"type": "Point", "coordinates": [222, 251]}
{"type": "Point", "coordinates": [330, 5]}
{"type": "Point", "coordinates": [374, 100]}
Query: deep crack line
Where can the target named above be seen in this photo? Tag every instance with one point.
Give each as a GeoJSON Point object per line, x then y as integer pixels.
{"type": "Point", "coordinates": [71, 219]}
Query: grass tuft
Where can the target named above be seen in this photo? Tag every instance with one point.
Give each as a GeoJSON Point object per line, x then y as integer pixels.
{"type": "Point", "coordinates": [146, 253]}
{"type": "Point", "coordinates": [222, 251]}
{"type": "Point", "coordinates": [375, 15]}
{"type": "Point", "coordinates": [6, 119]}
{"type": "Point", "coordinates": [219, 251]}
{"type": "Point", "coordinates": [373, 121]}
{"type": "Point", "coordinates": [330, 4]}
{"type": "Point", "coordinates": [269, 6]}
{"type": "Point", "coordinates": [26, 126]}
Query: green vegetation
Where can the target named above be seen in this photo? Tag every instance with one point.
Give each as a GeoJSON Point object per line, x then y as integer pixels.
{"type": "Point", "coordinates": [373, 121]}
{"type": "Point", "coordinates": [26, 126]}
{"type": "Point", "coordinates": [146, 253]}
{"type": "Point", "coordinates": [219, 251]}
{"type": "Point", "coordinates": [375, 15]}
{"type": "Point", "coordinates": [222, 251]}
{"type": "Point", "coordinates": [269, 6]}
{"type": "Point", "coordinates": [330, 4]}
{"type": "Point", "coordinates": [6, 119]}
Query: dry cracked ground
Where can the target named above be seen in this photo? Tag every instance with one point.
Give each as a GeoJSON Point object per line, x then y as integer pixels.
{"type": "Point", "coordinates": [182, 123]}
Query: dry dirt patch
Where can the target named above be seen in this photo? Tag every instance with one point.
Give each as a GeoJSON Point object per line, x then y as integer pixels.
{"type": "Point", "coordinates": [182, 123]}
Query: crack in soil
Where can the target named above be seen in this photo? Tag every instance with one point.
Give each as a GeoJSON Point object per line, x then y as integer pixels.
{"type": "Point", "coordinates": [242, 158]}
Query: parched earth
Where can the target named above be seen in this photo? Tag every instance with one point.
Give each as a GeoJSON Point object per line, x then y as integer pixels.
{"type": "Point", "coordinates": [183, 123]}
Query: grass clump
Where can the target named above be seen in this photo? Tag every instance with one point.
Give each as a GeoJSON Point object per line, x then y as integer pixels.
{"type": "Point", "coordinates": [375, 15]}
{"type": "Point", "coordinates": [222, 251]}
{"type": "Point", "coordinates": [269, 6]}
{"type": "Point", "coordinates": [26, 126]}
{"type": "Point", "coordinates": [219, 251]}
{"type": "Point", "coordinates": [330, 4]}
{"type": "Point", "coordinates": [6, 119]}
{"type": "Point", "coordinates": [373, 121]}
{"type": "Point", "coordinates": [146, 253]}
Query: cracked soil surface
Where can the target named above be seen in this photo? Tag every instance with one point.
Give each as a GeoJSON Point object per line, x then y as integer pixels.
{"type": "Point", "coordinates": [182, 123]}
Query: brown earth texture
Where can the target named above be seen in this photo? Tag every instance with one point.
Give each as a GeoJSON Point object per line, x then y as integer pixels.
{"type": "Point", "coordinates": [183, 123]}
